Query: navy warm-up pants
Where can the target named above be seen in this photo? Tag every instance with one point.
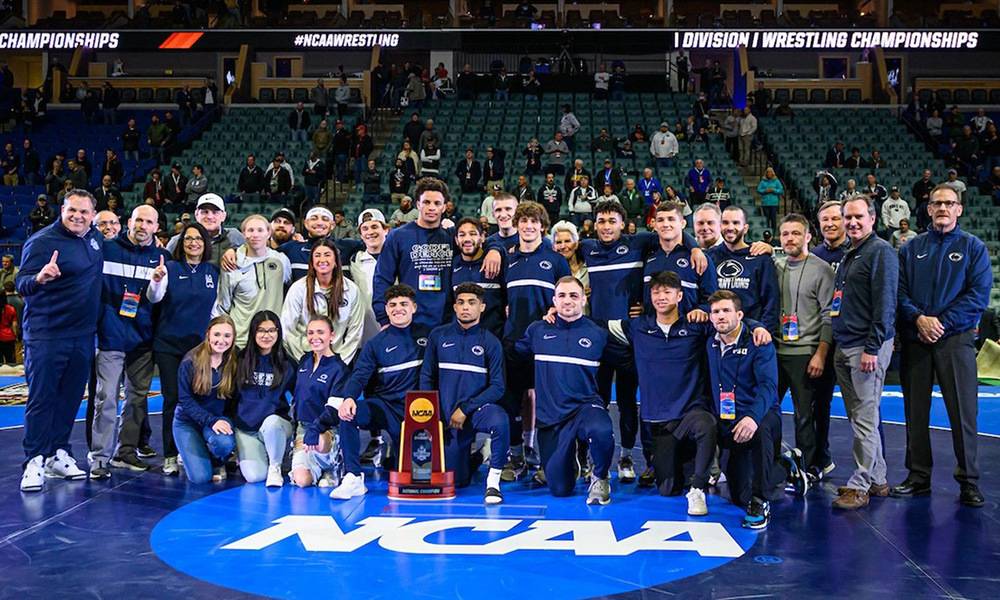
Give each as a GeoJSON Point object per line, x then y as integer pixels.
{"type": "Point", "coordinates": [520, 377]}
{"type": "Point", "coordinates": [372, 414]}
{"type": "Point", "coordinates": [56, 372]}
{"type": "Point", "coordinates": [557, 446]}
{"type": "Point", "coordinates": [489, 419]}
{"type": "Point", "coordinates": [752, 467]}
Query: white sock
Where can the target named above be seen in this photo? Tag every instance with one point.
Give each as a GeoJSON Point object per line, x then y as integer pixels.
{"type": "Point", "coordinates": [493, 478]}
{"type": "Point", "coordinates": [626, 452]}
{"type": "Point", "coordinates": [517, 450]}
{"type": "Point", "coordinates": [529, 438]}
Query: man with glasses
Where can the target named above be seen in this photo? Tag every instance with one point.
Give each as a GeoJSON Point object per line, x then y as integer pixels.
{"type": "Point", "coordinates": [938, 323]}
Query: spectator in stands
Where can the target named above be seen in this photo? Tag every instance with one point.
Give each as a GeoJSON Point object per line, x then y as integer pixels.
{"type": "Point", "coordinates": [532, 87]}
{"type": "Point", "coordinates": [587, 231]}
{"type": "Point", "coordinates": [989, 146]}
{"type": "Point", "coordinates": [683, 65]}
{"type": "Point", "coordinates": [903, 234]}
{"type": "Point", "coordinates": [557, 151]}
{"type": "Point", "coordinates": [894, 209]}
{"type": "Point", "coordinates": [835, 157]}
{"type": "Point", "coordinates": [81, 159]}
{"type": "Point", "coordinates": [130, 141]}
{"type": "Point", "coordinates": [342, 96]}
{"type": "Point", "coordinates": [405, 213]}
{"type": "Point", "coordinates": [550, 196]}
{"type": "Point", "coordinates": [410, 158]}
{"type": "Point", "coordinates": [361, 147]}
{"type": "Point", "coordinates": [638, 135]}
{"type": "Point", "coordinates": [501, 85]}
{"type": "Point", "coordinates": [342, 230]}
{"type": "Point", "coordinates": [174, 128]}
{"type": "Point", "coordinates": [31, 164]}
{"type": "Point", "coordinates": [825, 185]}
{"type": "Point", "coordinates": [154, 189]}
{"type": "Point", "coordinates": [875, 191]}
{"type": "Point", "coordinates": [175, 187]}
{"type": "Point", "coordinates": [441, 84]}
{"type": "Point", "coordinates": [719, 195]}
{"type": "Point", "coordinates": [525, 11]}
{"type": "Point", "coordinates": [450, 212]}
{"type": "Point", "coordinates": [210, 97]}
{"type": "Point", "coordinates": [186, 105]}
{"type": "Point", "coordinates": [770, 190]}
{"type": "Point", "coordinates": [922, 189]}
{"type": "Point", "coordinates": [322, 139]}
{"type": "Point", "coordinates": [313, 177]}
{"type": "Point", "coordinates": [761, 101]}
{"type": "Point", "coordinates": [532, 154]}
{"type": "Point", "coordinates": [112, 167]}
{"type": "Point", "coordinates": [429, 133]}
{"type": "Point", "coordinates": [106, 192]}
{"type": "Point", "coordinates": [647, 185]}
{"type": "Point", "coordinates": [957, 184]}
{"type": "Point", "coordinates": [277, 182]}
{"type": "Point", "coordinates": [298, 123]}
{"type": "Point", "coordinates": [413, 130]}
{"type": "Point", "coordinates": [416, 93]}
{"type": "Point", "coordinates": [608, 176]}
{"type": "Point", "coordinates": [633, 201]}
{"type": "Point", "coordinates": [197, 185]}
{"type": "Point", "coordinates": [573, 177]}
{"type": "Point", "coordinates": [399, 181]}
{"type": "Point", "coordinates": [625, 150]}
{"type": "Point", "coordinates": [581, 201]}
{"type": "Point", "coordinates": [698, 181]}
{"type": "Point", "coordinates": [980, 121]}
{"type": "Point", "coordinates": [663, 147]}
{"type": "Point", "coordinates": [340, 147]}
{"type": "Point", "coordinates": [25, 116]}
{"type": "Point", "coordinates": [157, 136]}
{"type": "Point", "coordinates": [602, 143]}
{"type": "Point", "coordinates": [372, 191]}
{"type": "Point", "coordinates": [748, 128]}
{"type": "Point", "coordinates": [935, 126]}
{"type": "Point", "coordinates": [523, 191]}
{"type": "Point", "coordinates": [569, 125]}
{"type": "Point", "coordinates": [486, 209]}
{"type": "Point", "coordinates": [849, 190]}
{"type": "Point", "coordinates": [731, 133]}
{"type": "Point", "coordinates": [251, 181]}
{"type": "Point", "coordinates": [430, 160]}
{"type": "Point", "coordinates": [876, 161]}
{"type": "Point", "coordinates": [42, 215]}
{"type": "Point", "coordinates": [111, 100]}
{"type": "Point", "coordinates": [318, 97]}
{"type": "Point", "coordinates": [992, 186]}
{"type": "Point", "coordinates": [10, 164]}
{"type": "Point", "coordinates": [493, 170]}
{"type": "Point", "coordinates": [855, 160]}
{"type": "Point", "coordinates": [602, 83]}
{"type": "Point", "coordinates": [78, 176]}
{"type": "Point", "coordinates": [8, 272]}
{"type": "Point", "coordinates": [608, 195]}
{"type": "Point", "coordinates": [936, 103]}
{"type": "Point", "coordinates": [469, 173]}
{"type": "Point", "coordinates": [965, 149]}
{"type": "Point", "coordinates": [702, 111]}
{"type": "Point", "coordinates": [466, 84]}
{"type": "Point", "coordinates": [114, 206]}
{"type": "Point", "coordinates": [55, 179]}
{"type": "Point", "coordinates": [954, 121]}
{"type": "Point", "coordinates": [90, 106]}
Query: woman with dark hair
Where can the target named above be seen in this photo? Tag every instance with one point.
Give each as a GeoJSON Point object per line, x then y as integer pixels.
{"type": "Point", "coordinates": [206, 380]}
{"type": "Point", "coordinates": [186, 288]}
{"type": "Point", "coordinates": [264, 377]}
{"type": "Point", "coordinates": [154, 189]}
{"type": "Point", "coordinates": [324, 291]}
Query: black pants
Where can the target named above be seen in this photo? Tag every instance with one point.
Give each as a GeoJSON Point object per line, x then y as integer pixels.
{"type": "Point", "coordinates": [733, 147]}
{"type": "Point", "coordinates": [8, 352]}
{"type": "Point", "coordinates": [811, 398]}
{"type": "Point", "coordinates": [168, 365]}
{"type": "Point", "coordinates": [752, 467]}
{"type": "Point", "coordinates": [671, 443]}
{"type": "Point", "coordinates": [953, 361]}
{"type": "Point", "coordinates": [626, 386]}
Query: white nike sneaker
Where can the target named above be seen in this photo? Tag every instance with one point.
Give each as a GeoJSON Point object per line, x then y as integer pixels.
{"type": "Point", "coordinates": [352, 486]}
{"type": "Point", "coordinates": [697, 507]}
{"type": "Point", "coordinates": [33, 477]}
{"type": "Point", "coordinates": [274, 478]}
{"type": "Point", "coordinates": [63, 466]}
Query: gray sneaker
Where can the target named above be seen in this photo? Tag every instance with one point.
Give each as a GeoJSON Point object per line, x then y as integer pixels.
{"type": "Point", "coordinates": [600, 492]}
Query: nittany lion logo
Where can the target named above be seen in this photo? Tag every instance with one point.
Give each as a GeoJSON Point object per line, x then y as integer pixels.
{"type": "Point", "coordinates": [730, 268]}
{"type": "Point", "coordinates": [682, 263]}
{"type": "Point", "coordinates": [478, 350]}
{"type": "Point", "coordinates": [622, 250]}
{"type": "Point", "coordinates": [586, 343]}
{"type": "Point", "coordinates": [956, 256]}
{"type": "Point", "coordinates": [545, 265]}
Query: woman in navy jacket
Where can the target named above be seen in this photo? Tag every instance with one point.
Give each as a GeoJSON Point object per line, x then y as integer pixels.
{"type": "Point", "coordinates": [186, 288]}
{"type": "Point", "coordinates": [265, 377]}
{"type": "Point", "coordinates": [206, 379]}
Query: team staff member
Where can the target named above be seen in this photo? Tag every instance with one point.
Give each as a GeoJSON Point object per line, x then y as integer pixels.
{"type": "Point", "coordinates": [324, 291]}
{"type": "Point", "coordinates": [206, 380]}
{"type": "Point", "coordinates": [752, 277]}
{"type": "Point", "coordinates": [420, 254]}
{"type": "Point", "coordinates": [60, 281]}
{"type": "Point", "coordinates": [125, 344]}
{"type": "Point", "coordinates": [938, 323]}
{"type": "Point", "coordinates": [835, 243]}
{"type": "Point", "coordinates": [467, 267]}
{"type": "Point", "coordinates": [185, 288]}
{"type": "Point", "coordinates": [388, 367]}
{"type": "Point", "coordinates": [569, 408]}
{"type": "Point", "coordinates": [863, 315]}
{"type": "Point", "coordinates": [806, 338]}
{"type": "Point", "coordinates": [744, 388]}
{"type": "Point", "coordinates": [465, 362]}
{"type": "Point", "coordinates": [265, 375]}
{"type": "Point", "coordinates": [211, 213]}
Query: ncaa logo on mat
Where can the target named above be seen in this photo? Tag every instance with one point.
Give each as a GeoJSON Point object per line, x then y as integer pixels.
{"type": "Point", "coordinates": [279, 543]}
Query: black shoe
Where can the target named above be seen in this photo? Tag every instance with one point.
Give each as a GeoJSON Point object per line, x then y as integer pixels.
{"type": "Point", "coordinates": [369, 454]}
{"type": "Point", "coordinates": [910, 488]}
{"type": "Point", "coordinates": [100, 472]}
{"type": "Point", "coordinates": [798, 481]}
{"type": "Point", "coordinates": [648, 478]}
{"type": "Point", "coordinates": [145, 451]}
{"type": "Point", "coordinates": [971, 496]}
{"type": "Point", "coordinates": [130, 462]}
{"type": "Point", "coordinates": [758, 514]}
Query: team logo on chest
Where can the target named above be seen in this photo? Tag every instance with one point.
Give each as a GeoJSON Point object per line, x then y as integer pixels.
{"type": "Point", "coordinates": [209, 282]}
{"type": "Point", "coordinates": [545, 265]}
{"type": "Point", "coordinates": [586, 343]}
{"type": "Point", "coordinates": [94, 245]}
{"type": "Point", "coordinates": [683, 263]}
{"type": "Point", "coordinates": [422, 341]}
{"type": "Point", "coordinates": [622, 250]}
{"type": "Point", "coordinates": [956, 256]}
{"type": "Point", "coordinates": [478, 350]}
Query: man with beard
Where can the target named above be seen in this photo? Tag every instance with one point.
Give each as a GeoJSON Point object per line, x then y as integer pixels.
{"type": "Point", "coordinates": [467, 267]}
{"type": "Point", "coordinates": [282, 227]}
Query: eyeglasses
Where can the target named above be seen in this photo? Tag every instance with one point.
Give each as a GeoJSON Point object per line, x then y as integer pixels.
{"type": "Point", "coordinates": [268, 331]}
{"type": "Point", "coordinates": [193, 239]}
{"type": "Point", "coordinates": [108, 222]}
{"type": "Point", "coordinates": [945, 204]}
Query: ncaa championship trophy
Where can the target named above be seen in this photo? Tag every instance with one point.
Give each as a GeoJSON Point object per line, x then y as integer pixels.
{"type": "Point", "coordinates": [421, 474]}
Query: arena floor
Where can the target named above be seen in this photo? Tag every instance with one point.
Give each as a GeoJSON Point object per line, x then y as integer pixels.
{"type": "Point", "coordinates": [147, 536]}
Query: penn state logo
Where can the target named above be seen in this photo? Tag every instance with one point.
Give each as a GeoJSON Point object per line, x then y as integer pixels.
{"type": "Point", "coordinates": [422, 341]}
{"type": "Point", "coordinates": [478, 350]}
{"type": "Point", "coordinates": [94, 244]}
{"type": "Point", "coordinates": [586, 343]}
{"type": "Point", "coordinates": [730, 268]}
{"type": "Point", "coordinates": [682, 332]}
{"type": "Point", "coordinates": [545, 265]}
{"type": "Point", "coordinates": [683, 263]}
{"type": "Point", "coordinates": [272, 266]}
{"type": "Point", "coordinates": [343, 303]}
{"type": "Point", "coordinates": [622, 250]}
{"type": "Point", "coordinates": [209, 282]}
{"type": "Point", "coordinates": [956, 256]}
{"type": "Point", "coordinates": [322, 378]}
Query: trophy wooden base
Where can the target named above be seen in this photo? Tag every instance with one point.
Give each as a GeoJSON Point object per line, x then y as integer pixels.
{"type": "Point", "coordinates": [440, 487]}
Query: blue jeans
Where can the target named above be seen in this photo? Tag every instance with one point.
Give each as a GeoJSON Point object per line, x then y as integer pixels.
{"type": "Point", "coordinates": [360, 164]}
{"type": "Point", "coordinates": [299, 135]}
{"type": "Point", "coordinates": [198, 446]}
{"type": "Point", "coordinates": [618, 95]}
{"type": "Point", "coordinates": [502, 95]}
{"type": "Point", "coordinates": [371, 198]}
{"type": "Point", "coordinates": [662, 163]}
{"type": "Point", "coordinates": [312, 193]}
{"type": "Point", "coordinates": [340, 167]}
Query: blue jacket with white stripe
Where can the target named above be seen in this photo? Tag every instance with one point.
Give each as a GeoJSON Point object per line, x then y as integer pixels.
{"type": "Point", "coordinates": [128, 268]}
{"type": "Point", "coordinates": [531, 284]}
{"type": "Point", "coordinates": [753, 278]}
{"type": "Point", "coordinates": [748, 371]}
{"type": "Point", "coordinates": [495, 314]}
{"type": "Point", "coordinates": [68, 306]}
{"type": "Point", "coordinates": [465, 365]}
{"type": "Point", "coordinates": [313, 388]}
{"type": "Point", "coordinates": [567, 355]}
{"type": "Point", "coordinates": [697, 288]}
{"type": "Point", "coordinates": [389, 365]}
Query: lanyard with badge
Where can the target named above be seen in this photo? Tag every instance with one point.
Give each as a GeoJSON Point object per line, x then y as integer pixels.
{"type": "Point", "coordinates": [790, 322]}
{"type": "Point", "coordinates": [838, 294]}
{"type": "Point", "coordinates": [727, 400]}
{"type": "Point", "coordinates": [130, 300]}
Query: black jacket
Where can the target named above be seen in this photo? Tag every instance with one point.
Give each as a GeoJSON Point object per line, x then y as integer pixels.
{"type": "Point", "coordinates": [130, 139]}
{"type": "Point", "coordinates": [251, 180]}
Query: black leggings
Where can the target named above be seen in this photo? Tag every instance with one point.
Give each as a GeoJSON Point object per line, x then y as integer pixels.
{"type": "Point", "coordinates": [168, 365]}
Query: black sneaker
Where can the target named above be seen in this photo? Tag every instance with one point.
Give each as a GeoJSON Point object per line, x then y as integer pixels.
{"type": "Point", "coordinates": [100, 472]}
{"type": "Point", "coordinates": [626, 470]}
{"type": "Point", "coordinates": [145, 451]}
{"type": "Point", "coordinates": [648, 478]}
{"type": "Point", "coordinates": [798, 480]}
{"type": "Point", "coordinates": [130, 462]}
{"type": "Point", "coordinates": [758, 514]}
{"type": "Point", "coordinates": [531, 458]}
{"type": "Point", "coordinates": [368, 456]}
{"type": "Point", "coordinates": [971, 496]}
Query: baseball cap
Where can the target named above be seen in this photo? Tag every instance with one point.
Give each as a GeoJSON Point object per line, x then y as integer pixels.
{"type": "Point", "coordinates": [371, 214]}
{"type": "Point", "coordinates": [950, 171]}
{"type": "Point", "coordinates": [283, 212]}
{"type": "Point", "coordinates": [607, 161]}
{"type": "Point", "coordinates": [176, 166]}
{"type": "Point", "coordinates": [894, 189]}
{"type": "Point", "coordinates": [213, 200]}
{"type": "Point", "coordinates": [186, 217]}
{"type": "Point", "coordinates": [42, 197]}
{"type": "Point", "coordinates": [664, 124]}
{"type": "Point", "coordinates": [497, 187]}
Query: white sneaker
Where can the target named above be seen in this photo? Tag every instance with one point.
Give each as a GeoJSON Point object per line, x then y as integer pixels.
{"type": "Point", "coordinates": [170, 466]}
{"type": "Point", "coordinates": [351, 487]}
{"type": "Point", "coordinates": [219, 474]}
{"type": "Point", "coordinates": [328, 480]}
{"type": "Point", "coordinates": [63, 466]}
{"type": "Point", "coordinates": [697, 507]}
{"type": "Point", "coordinates": [34, 475]}
{"type": "Point", "coordinates": [274, 478]}
{"type": "Point", "coordinates": [600, 492]}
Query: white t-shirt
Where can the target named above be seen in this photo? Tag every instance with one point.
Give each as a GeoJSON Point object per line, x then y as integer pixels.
{"type": "Point", "coordinates": [601, 80]}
